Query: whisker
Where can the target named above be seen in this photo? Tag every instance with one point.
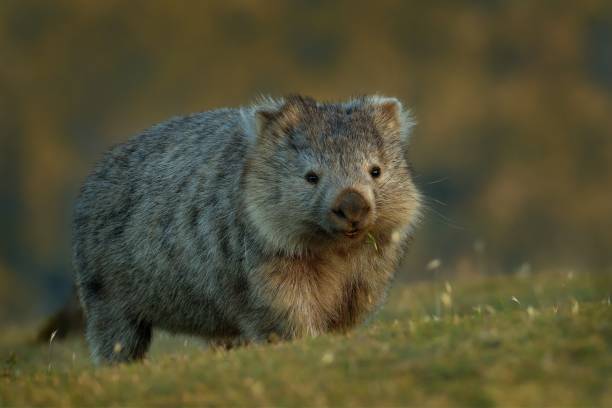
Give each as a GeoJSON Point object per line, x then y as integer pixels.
{"type": "Point", "coordinates": [437, 181]}
{"type": "Point", "coordinates": [449, 222]}
{"type": "Point", "coordinates": [427, 201]}
{"type": "Point", "coordinates": [435, 200]}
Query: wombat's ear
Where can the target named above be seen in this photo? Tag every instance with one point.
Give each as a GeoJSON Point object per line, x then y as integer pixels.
{"type": "Point", "coordinates": [390, 117]}
{"type": "Point", "coordinates": [263, 119]}
{"type": "Point", "coordinates": [271, 117]}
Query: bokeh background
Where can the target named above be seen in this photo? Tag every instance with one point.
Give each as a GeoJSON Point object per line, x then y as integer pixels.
{"type": "Point", "coordinates": [513, 100]}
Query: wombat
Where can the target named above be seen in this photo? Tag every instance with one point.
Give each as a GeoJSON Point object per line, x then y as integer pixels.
{"type": "Point", "coordinates": [282, 219]}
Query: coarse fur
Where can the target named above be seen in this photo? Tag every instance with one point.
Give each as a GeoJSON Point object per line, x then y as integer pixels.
{"type": "Point", "coordinates": [210, 224]}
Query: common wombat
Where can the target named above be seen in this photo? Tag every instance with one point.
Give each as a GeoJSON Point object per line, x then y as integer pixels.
{"type": "Point", "coordinates": [285, 218]}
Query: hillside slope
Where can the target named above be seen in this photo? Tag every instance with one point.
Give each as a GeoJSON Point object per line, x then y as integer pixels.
{"type": "Point", "coordinates": [542, 340]}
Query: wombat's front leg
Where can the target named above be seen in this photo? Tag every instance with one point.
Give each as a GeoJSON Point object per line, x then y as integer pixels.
{"type": "Point", "coordinates": [261, 329]}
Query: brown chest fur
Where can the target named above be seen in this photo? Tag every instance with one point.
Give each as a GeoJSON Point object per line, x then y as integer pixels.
{"type": "Point", "coordinates": [328, 292]}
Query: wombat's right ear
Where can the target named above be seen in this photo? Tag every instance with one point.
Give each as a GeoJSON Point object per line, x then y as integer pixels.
{"type": "Point", "coordinates": [263, 119]}
{"type": "Point", "coordinates": [255, 118]}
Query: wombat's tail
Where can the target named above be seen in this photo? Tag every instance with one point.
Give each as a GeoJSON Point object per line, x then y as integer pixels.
{"type": "Point", "coordinates": [67, 321]}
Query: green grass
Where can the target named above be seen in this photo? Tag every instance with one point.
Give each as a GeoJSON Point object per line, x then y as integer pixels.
{"type": "Point", "coordinates": [465, 343]}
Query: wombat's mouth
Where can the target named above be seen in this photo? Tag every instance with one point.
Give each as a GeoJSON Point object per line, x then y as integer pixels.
{"type": "Point", "coordinates": [328, 235]}
{"type": "Point", "coordinates": [354, 233]}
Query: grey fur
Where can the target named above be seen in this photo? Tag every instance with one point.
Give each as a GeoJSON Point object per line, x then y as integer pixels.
{"type": "Point", "coordinates": [204, 224]}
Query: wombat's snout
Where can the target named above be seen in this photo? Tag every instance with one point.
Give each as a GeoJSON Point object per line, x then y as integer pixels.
{"type": "Point", "coordinates": [350, 212]}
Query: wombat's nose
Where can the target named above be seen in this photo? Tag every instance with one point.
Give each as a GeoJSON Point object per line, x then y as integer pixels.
{"type": "Point", "coordinates": [350, 210]}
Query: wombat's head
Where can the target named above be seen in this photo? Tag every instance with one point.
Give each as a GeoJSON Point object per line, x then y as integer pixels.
{"type": "Point", "coordinates": [329, 173]}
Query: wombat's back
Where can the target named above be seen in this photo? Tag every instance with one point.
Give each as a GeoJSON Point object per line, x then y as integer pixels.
{"type": "Point", "coordinates": [148, 215]}
{"type": "Point", "coordinates": [141, 185]}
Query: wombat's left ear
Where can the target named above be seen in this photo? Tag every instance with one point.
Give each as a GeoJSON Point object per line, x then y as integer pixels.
{"type": "Point", "coordinates": [391, 117]}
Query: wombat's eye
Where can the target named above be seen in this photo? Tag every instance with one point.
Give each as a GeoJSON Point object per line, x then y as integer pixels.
{"type": "Point", "coordinates": [312, 177]}
{"type": "Point", "coordinates": [375, 172]}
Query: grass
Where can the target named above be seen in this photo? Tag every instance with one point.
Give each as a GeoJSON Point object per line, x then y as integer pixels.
{"type": "Point", "coordinates": [541, 340]}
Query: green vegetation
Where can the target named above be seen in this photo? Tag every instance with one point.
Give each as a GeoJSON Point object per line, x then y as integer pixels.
{"type": "Point", "coordinates": [531, 340]}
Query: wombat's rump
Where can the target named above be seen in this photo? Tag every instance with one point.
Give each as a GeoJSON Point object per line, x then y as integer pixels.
{"type": "Point", "coordinates": [287, 217]}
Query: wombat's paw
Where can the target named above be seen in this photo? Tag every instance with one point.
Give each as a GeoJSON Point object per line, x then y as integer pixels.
{"type": "Point", "coordinates": [118, 342]}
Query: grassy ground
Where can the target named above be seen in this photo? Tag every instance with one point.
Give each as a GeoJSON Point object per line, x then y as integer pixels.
{"type": "Point", "coordinates": [542, 340]}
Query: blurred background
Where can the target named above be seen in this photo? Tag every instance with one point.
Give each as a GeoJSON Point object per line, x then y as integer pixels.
{"type": "Point", "coordinates": [513, 146]}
